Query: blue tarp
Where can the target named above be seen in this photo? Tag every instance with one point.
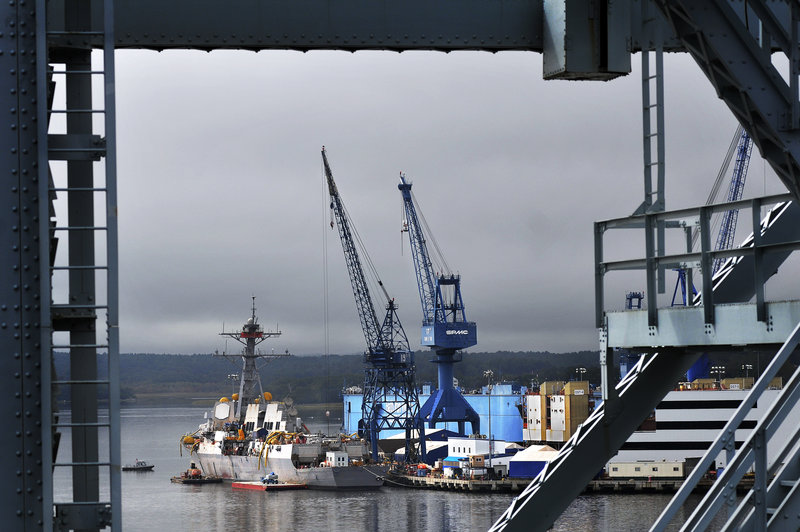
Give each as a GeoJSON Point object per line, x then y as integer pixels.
{"type": "Point", "coordinates": [524, 469]}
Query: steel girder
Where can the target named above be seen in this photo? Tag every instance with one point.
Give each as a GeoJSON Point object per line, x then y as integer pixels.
{"type": "Point", "coordinates": [21, 209]}
{"type": "Point", "coordinates": [352, 25]}
{"type": "Point", "coordinates": [741, 70]}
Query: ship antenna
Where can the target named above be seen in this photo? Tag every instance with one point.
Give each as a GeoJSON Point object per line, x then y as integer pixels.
{"type": "Point", "coordinates": [254, 308]}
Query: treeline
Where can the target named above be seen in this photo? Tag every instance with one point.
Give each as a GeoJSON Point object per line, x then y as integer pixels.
{"type": "Point", "coordinates": [320, 379]}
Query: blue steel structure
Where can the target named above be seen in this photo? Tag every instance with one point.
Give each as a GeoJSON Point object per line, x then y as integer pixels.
{"type": "Point", "coordinates": [390, 392]}
{"type": "Point", "coordinates": [506, 418]}
{"type": "Point", "coordinates": [445, 328]}
{"type": "Point", "coordinates": [727, 228]}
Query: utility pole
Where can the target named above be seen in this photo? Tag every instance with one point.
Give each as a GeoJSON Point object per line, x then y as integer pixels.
{"type": "Point", "coordinates": [489, 374]}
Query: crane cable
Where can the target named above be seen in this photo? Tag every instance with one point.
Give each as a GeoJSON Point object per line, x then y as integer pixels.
{"type": "Point", "coordinates": [437, 257]}
{"type": "Point", "coordinates": [714, 193]}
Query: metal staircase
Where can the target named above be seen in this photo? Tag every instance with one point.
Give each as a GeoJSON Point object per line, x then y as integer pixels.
{"type": "Point", "coordinates": [773, 502]}
{"type": "Point", "coordinates": [79, 136]}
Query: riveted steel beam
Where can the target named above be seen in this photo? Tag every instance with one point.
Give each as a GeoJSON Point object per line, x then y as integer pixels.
{"type": "Point", "coordinates": [20, 365]}
{"type": "Point", "coordinates": [444, 25]}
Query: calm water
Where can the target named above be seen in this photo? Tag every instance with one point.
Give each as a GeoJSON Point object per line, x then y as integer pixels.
{"type": "Point", "coordinates": [151, 502]}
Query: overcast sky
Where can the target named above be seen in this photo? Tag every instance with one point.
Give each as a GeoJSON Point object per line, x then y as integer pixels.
{"type": "Point", "coordinates": [221, 188]}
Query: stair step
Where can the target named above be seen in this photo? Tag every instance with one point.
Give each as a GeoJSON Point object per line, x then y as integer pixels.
{"type": "Point", "coordinates": [78, 228]}
{"type": "Point", "coordinates": [72, 464]}
{"type": "Point", "coordinates": [788, 483]}
{"type": "Point", "coordinates": [88, 346]}
{"type": "Point", "coordinates": [68, 33]}
{"type": "Point", "coordinates": [86, 72]}
{"type": "Point", "coordinates": [81, 424]}
{"type": "Point", "coordinates": [80, 307]}
{"type": "Point", "coordinates": [81, 382]}
{"type": "Point", "coordinates": [75, 111]}
{"type": "Point", "coordinates": [78, 268]}
{"type": "Point", "coordinates": [78, 189]}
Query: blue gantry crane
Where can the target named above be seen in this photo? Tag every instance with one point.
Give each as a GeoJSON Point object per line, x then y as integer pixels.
{"type": "Point", "coordinates": [445, 328]}
{"type": "Point", "coordinates": [727, 228]}
{"type": "Point", "coordinates": [391, 400]}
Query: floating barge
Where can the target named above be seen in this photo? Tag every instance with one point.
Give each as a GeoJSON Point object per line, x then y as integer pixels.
{"type": "Point", "coordinates": [195, 476]}
{"type": "Point", "coordinates": [261, 486]}
{"type": "Point", "coordinates": [196, 480]}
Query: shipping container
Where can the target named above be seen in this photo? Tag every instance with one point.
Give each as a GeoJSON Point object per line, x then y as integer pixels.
{"type": "Point", "coordinates": [651, 470]}
{"type": "Point", "coordinates": [576, 388]}
{"type": "Point", "coordinates": [551, 387]}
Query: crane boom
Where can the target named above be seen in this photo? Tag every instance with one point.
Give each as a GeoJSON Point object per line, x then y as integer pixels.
{"type": "Point", "coordinates": [419, 252]}
{"type": "Point", "coordinates": [444, 320]}
{"type": "Point", "coordinates": [727, 228]}
{"type": "Point", "coordinates": [445, 328]}
{"type": "Point", "coordinates": [364, 304]}
{"type": "Point", "coordinates": [390, 400]}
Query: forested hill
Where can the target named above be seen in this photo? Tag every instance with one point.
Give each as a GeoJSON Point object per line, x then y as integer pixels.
{"type": "Point", "coordinates": [318, 379]}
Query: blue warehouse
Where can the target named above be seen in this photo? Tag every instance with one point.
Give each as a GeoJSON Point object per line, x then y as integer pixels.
{"type": "Point", "coordinates": [506, 422]}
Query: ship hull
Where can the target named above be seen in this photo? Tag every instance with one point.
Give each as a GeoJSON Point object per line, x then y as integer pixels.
{"type": "Point", "coordinates": [231, 467]}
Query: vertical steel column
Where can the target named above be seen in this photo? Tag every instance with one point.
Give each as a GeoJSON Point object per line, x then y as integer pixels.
{"type": "Point", "coordinates": [651, 273]}
{"type": "Point", "coordinates": [758, 268]}
{"type": "Point", "coordinates": [761, 480]}
{"type": "Point", "coordinates": [80, 215]}
{"type": "Point", "coordinates": [112, 262]}
{"type": "Point", "coordinates": [706, 262]}
{"type": "Point", "coordinates": [794, 67]}
{"type": "Point", "coordinates": [599, 292]}
{"type": "Point", "coordinates": [20, 297]}
{"type": "Point", "coordinates": [45, 281]}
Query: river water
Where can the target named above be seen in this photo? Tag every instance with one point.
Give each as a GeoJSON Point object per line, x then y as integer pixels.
{"type": "Point", "coordinates": [150, 502]}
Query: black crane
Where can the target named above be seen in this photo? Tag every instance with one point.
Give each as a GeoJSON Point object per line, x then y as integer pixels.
{"type": "Point", "coordinates": [391, 400]}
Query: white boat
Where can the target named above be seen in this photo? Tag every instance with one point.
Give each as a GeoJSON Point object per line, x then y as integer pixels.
{"type": "Point", "coordinates": [250, 436]}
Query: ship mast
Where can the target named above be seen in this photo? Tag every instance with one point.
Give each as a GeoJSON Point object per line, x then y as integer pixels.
{"type": "Point", "coordinates": [250, 336]}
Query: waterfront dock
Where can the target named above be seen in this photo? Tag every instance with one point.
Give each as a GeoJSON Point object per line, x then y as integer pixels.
{"type": "Point", "coordinates": [506, 485]}
{"type": "Point", "coordinates": [516, 485]}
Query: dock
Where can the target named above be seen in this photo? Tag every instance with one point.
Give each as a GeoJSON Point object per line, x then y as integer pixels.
{"type": "Point", "coordinates": [516, 485]}
{"type": "Point", "coordinates": [260, 486]}
{"type": "Point", "coordinates": [506, 485]}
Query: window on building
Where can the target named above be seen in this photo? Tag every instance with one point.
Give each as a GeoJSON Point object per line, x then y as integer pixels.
{"type": "Point", "coordinates": [637, 468]}
{"type": "Point", "coordinates": [675, 469]}
{"type": "Point", "coordinates": [655, 469]}
{"type": "Point", "coordinates": [614, 469]}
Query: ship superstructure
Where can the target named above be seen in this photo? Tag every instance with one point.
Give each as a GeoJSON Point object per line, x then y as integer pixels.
{"type": "Point", "coordinates": [250, 436]}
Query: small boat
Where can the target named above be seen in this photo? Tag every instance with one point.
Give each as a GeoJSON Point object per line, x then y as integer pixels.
{"type": "Point", "coordinates": [264, 486]}
{"type": "Point", "coordinates": [195, 476]}
{"type": "Point", "coordinates": [139, 465]}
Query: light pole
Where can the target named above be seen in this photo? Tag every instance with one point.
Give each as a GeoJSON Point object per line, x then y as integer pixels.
{"type": "Point", "coordinates": [581, 372]}
{"type": "Point", "coordinates": [489, 374]}
{"type": "Point", "coordinates": [747, 368]}
{"type": "Point", "coordinates": [720, 371]}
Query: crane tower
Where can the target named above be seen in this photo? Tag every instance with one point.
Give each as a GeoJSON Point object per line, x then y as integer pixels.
{"type": "Point", "coordinates": [445, 328]}
{"type": "Point", "coordinates": [390, 400]}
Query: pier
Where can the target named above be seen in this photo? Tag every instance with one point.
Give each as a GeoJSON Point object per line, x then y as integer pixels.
{"type": "Point", "coordinates": [516, 485]}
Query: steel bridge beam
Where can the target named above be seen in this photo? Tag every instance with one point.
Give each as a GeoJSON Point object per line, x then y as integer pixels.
{"type": "Point", "coordinates": [443, 25]}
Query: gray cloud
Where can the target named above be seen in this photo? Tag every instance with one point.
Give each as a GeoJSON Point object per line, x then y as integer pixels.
{"type": "Point", "coordinates": [221, 190]}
